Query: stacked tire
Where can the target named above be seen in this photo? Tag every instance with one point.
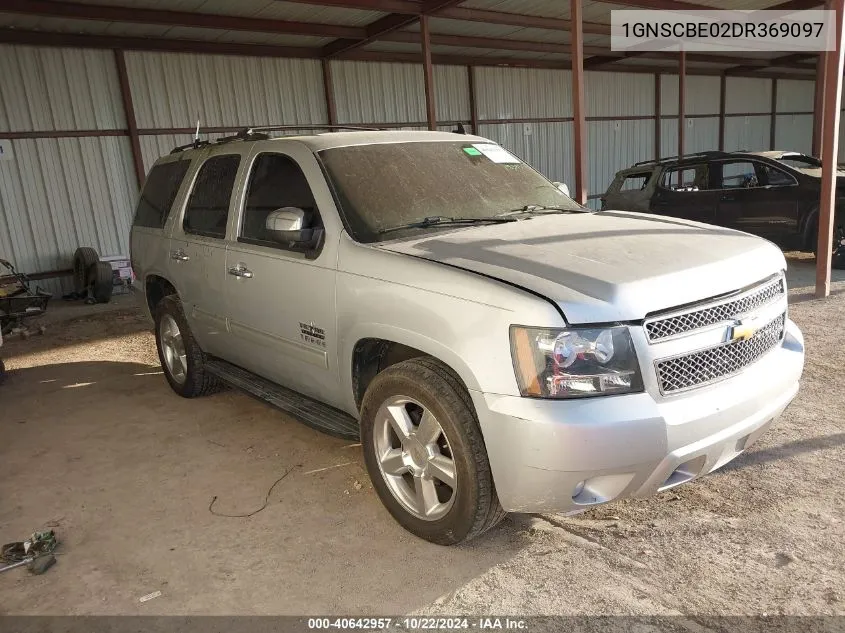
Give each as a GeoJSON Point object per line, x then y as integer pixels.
{"type": "Point", "coordinates": [92, 277]}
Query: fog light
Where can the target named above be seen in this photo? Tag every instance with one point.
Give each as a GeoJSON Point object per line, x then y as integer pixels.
{"type": "Point", "coordinates": [579, 488]}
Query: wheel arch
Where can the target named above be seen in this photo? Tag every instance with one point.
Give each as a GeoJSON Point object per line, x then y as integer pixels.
{"type": "Point", "coordinates": [371, 351]}
{"type": "Point", "coordinates": [156, 288]}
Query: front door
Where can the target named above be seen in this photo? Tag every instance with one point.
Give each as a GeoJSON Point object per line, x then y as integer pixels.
{"type": "Point", "coordinates": [198, 250]}
{"type": "Point", "coordinates": [281, 301]}
{"type": "Point", "coordinates": [683, 192]}
{"type": "Point", "coordinates": [756, 198]}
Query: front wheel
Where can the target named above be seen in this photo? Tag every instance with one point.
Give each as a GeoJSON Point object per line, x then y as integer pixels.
{"type": "Point", "coordinates": [425, 454]}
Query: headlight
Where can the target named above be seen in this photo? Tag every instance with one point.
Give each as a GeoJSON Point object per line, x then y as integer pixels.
{"type": "Point", "coordinates": [575, 362]}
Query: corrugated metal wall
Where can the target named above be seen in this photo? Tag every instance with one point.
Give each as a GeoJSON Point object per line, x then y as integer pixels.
{"type": "Point", "coordinates": [59, 193]}
{"type": "Point", "coordinates": [371, 92]}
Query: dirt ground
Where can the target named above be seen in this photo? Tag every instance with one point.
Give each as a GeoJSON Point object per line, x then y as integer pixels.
{"type": "Point", "coordinates": [96, 446]}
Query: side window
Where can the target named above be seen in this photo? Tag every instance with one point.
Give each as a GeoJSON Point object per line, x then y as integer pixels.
{"type": "Point", "coordinates": [159, 193]}
{"type": "Point", "coordinates": [276, 182]}
{"type": "Point", "coordinates": [738, 174]}
{"type": "Point", "coordinates": [775, 177]}
{"type": "Point", "coordinates": [635, 182]}
{"type": "Point", "coordinates": [208, 207]}
{"type": "Point", "coordinates": [690, 178]}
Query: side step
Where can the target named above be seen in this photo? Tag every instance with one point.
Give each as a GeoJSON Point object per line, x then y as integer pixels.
{"type": "Point", "coordinates": [315, 414]}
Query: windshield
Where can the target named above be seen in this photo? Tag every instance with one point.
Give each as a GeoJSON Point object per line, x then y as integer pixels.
{"type": "Point", "coordinates": [800, 161]}
{"type": "Point", "coordinates": [382, 186]}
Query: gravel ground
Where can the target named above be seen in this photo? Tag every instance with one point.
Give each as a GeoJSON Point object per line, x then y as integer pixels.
{"type": "Point", "coordinates": [97, 447]}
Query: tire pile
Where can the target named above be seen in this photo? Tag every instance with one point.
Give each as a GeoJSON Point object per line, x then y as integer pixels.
{"type": "Point", "coordinates": [91, 277]}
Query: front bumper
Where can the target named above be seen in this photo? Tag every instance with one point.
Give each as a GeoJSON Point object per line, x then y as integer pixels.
{"type": "Point", "coordinates": [568, 455]}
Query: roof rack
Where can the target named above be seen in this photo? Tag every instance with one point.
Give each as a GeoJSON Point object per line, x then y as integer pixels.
{"type": "Point", "coordinates": [708, 154]}
{"type": "Point", "coordinates": [259, 133]}
{"type": "Point", "coordinates": [192, 145]}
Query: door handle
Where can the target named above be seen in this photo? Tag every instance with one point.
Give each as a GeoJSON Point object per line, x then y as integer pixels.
{"type": "Point", "coordinates": [727, 198]}
{"type": "Point", "coordinates": [179, 255]}
{"type": "Point", "coordinates": [241, 271]}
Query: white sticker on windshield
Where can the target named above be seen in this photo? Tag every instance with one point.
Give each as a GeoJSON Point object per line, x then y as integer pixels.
{"type": "Point", "coordinates": [496, 153]}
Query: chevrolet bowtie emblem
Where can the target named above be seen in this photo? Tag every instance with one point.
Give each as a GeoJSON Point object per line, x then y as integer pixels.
{"type": "Point", "coordinates": [743, 329]}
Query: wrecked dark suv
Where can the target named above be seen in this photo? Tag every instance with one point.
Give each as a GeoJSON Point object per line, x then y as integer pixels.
{"type": "Point", "coordinates": [771, 194]}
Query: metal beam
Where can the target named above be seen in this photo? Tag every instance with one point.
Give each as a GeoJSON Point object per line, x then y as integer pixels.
{"type": "Point", "coordinates": [832, 102]}
{"type": "Point", "coordinates": [473, 104]}
{"type": "Point", "coordinates": [428, 74]}
{"type": "Point", "coordinates": [328, 91]}
{"type": "Point", "coordinates": [773, 125]}
{"type": "Point", "coordinates": [410, 7]}
{"type": "Point", "coordinates": [723, 97]}
{"type": "Point", "coordinates": [106, 13]}
{"type": "Point", "coordinates": [383, 26]}
{"type": "Point", "coordinates": [579, 124]}
{"type": "Point", "coordinates": [818, 108]}
{"type": "Point", "coordinates": [786, 61]}
{"type": "Point", "coordinates": [74, 40]}
{"type": "Point", "coordinates": [129, 113]}
{"type": "Point", "coordinates": [670, 5]}
{"type": "Point", "coordinates": [657, 116]}
{"type": "Point", "coordinates": [682, 80]}
{"type": "Point", "coordinates": [517, 19]}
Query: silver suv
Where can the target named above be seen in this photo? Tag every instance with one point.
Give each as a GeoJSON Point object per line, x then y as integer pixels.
{"type": "Point", "coordinates": [497, 347]}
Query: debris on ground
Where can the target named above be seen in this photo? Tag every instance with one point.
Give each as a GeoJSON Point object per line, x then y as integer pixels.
{"type": "Point", "coordinates": [357, 485]}
{"type": "Point", "coordinates": [36, 553]}
{"type": "Point", "coordinates": [149, 596]}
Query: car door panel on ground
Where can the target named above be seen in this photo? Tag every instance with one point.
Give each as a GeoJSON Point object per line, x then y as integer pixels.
{"type": "Point", "coordinates": [756, 197]}
{"type": "Point", "coordinates": [198, 249]}
{"type": "Point", "coordinates": [278, 298]}
{"type": "Point", "coordinates": [685, 192]}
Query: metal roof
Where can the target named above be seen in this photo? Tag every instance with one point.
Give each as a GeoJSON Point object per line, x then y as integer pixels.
{"type": "Point", "coordinates": [463, 31]}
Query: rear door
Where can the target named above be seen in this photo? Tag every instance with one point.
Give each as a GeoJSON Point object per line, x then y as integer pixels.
{"type": "Point", "coordinates": [198, 247]}
{"type": "Point", "coordinates": [684, 192]}
{"type": "Point", "coordinates": [148, 242]}
{"type": "Point", "coordinates": [756, 198]}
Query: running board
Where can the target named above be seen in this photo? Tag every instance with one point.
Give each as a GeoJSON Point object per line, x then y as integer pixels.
{"type": "Point", "coordinates": [315, 414]}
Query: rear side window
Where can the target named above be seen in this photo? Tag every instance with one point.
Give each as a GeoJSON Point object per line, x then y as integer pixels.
{"type": "Point", "coordinates": [159, 193]}
{"type": "Point", "coordinates": [635, 182]}
{"type": "Point", "coordinates": [207, 210]}
{"type": "Point", "coordinates": [690, 178]}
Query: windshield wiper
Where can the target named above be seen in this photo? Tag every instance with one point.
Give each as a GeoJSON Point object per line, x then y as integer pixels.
{"type": "Point", "coordinates": [439, 220]}
{"type": "Point", "coordinates": [540, 208]}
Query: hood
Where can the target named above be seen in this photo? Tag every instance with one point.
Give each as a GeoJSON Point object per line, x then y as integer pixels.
{"type": "Point", "coordinates": [608, 266]}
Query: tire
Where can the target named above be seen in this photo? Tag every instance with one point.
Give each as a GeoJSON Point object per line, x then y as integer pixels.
{"type": "Point", "coordinates": [2, 371]}
{"type": "Point", "coordinates": [101, 282]}
{"type": "Point", "coordinates": [83, 259]}
{"type": "Point", "coordinates": [430, 387]}
{"type": "Point", "coordinates": [195, 381]}
{"type": "Point", "coordinates": [811, 238]}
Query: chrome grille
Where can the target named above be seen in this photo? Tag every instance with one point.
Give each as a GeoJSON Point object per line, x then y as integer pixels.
{"type": "Point", "coordinates": [705, 366]}
{"type": "Point", "coordinates": [730, 309]}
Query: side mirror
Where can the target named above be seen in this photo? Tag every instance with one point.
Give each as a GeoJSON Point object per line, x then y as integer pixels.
{"type": "Point", "coordinates": [563, 188]}
{"type": "Point", "coordinates": [288, 226]}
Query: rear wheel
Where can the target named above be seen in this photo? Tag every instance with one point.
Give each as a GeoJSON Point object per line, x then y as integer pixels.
{"type": "Point", "coordinates": [425, 453]}
{"type": "Point", "coordinates": [83, 259]}
{"type": "Point", "coordinates": [181, 358]}
{"type": "Point", "coordinates": [101, 282]}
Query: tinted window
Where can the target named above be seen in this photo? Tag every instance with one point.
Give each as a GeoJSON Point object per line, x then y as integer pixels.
{"type": "Point", "coordinates": [635, 182]}
{"type": "Point", "coordinates": [208, 206]}
{"type": "Point", "coordinates": [159, 193]}
{"type": "Point", "coordinates": [690, 178]}
{"type": "Point", "coordinates": [276, 181]}
{"type": "Point", "coordinates": [385, 185]}
{"type": "Point", "coordinates": [776, 177]}
{"type": "Point", "coordinates": [738, 175]}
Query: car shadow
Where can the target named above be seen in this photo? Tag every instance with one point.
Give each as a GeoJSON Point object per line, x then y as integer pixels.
{"type": "Point", "coordinates": [776, 453]}
{"type": "Point", "coordinates": [136, 480]}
